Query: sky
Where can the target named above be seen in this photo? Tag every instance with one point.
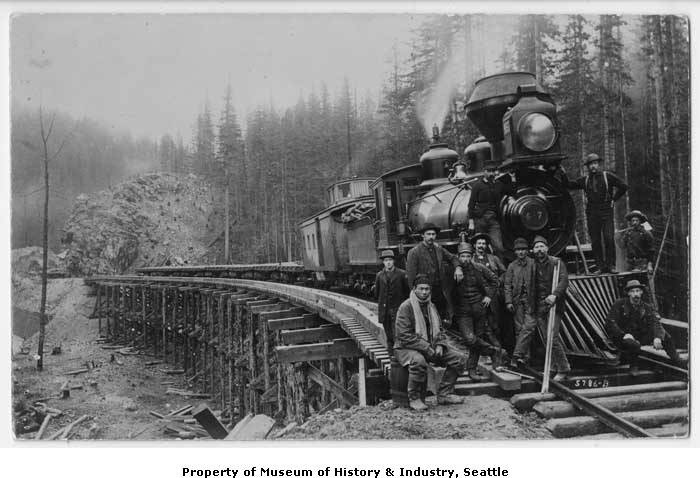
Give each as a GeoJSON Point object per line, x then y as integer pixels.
{"type": "Point", "coordinates": [150, 74]}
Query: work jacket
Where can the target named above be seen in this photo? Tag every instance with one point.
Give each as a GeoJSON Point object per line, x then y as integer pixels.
{"type": "Point", "coordinates": [478, 282]}
{"type": "Point", "coordinates": [519, 278]}
{"type": "Point", "coordinates": [390, 289]}
{"type": "Point", "coordinates": [643, 322]}
{"type": "Point", "coordinates": [405, 336]}
{"type": "Point", "coordinates": [419, 261]}
{"type": "Point", "coordinates": [493, 263]}
{"type": "Point", "coordinates": [486, 196]}
{"type": "Point", "coordinates": [598, 188]}
{"type": "Point", "coordinates": [638, 243]}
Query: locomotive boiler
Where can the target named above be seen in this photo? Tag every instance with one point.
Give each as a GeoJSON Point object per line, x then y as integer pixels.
{"type": "Point", "coordinates": [517, 119]}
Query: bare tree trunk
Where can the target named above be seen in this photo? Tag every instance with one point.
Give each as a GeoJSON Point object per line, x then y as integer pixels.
{"type": "Point", "coordinates": [44, 264]}
{"type": "Point", "coordinates": [661, 128]}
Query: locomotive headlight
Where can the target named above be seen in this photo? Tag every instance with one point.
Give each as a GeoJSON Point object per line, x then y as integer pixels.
{"type": "Point", "coordinates": [537, 132]}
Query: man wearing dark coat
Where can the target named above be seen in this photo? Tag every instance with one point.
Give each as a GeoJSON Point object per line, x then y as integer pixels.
{"type": "Point", "coordinates": [494, 264]}
{"type": "Point", "coordinates": [390, 289]}
{"type": "Point", "coordinates": [602, 189]}
{"type": "Point", "coordinates": [420, 339]}
{"type": "Point", "coordinates": [431, 259]}
{"type": "Point", "coordinates": [474, 295]}
{"type": "Point", "coordinates": [484, 201]}
{"type": "Point", "coordinates": [519, 298]}
{"type": "Point", "coordinates": [632, 323]}
{"type": "Point", "coordinates": [638, 243]}
{"type": "Point", "coordinates": [543, 299]}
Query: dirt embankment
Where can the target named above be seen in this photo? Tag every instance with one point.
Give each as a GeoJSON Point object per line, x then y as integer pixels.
{"type": "Point", "coordinates": [152, 220]}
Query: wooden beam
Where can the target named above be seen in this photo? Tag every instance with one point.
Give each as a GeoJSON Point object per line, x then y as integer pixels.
{"type": "Point", "coordinates": [577, 426]}
{"type": "Point", "coordinates": [620, 403]}
{"type": "Point", "coordinates": [361, 383]}
{"type": "Point", "coordinates": [323, 333]}
{"type": "Point", "coordinates": [282, 314]}
{"type": "Point", "coordinates": [507, 381]}
{"type": "Point", "coordinates": [323, 351]}
{"type": "Point", "coordinates": [209, 422]}
{"type": "Point", "coordinates": [331, 385]}
{"type": "Point", "coordinates": [302, 322]}
{"type": "Point", "coordinates": [525, 401]}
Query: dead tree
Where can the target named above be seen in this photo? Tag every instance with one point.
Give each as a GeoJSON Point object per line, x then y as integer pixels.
{"type": "Point", "coordinates": [47, 158]}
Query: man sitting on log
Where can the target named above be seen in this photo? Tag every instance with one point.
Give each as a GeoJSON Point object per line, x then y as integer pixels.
{"type": "Point", "coordinates": [632, 323]}
{"type": "Point", "coordinates": [419, 339]}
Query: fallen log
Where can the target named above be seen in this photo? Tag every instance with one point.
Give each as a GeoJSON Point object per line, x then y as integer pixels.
{"type": "Point", "coordinates": [577, 426]}
{"type": "Point", "coordinates": [76, 372]}
{"type": "Point", "coordinates": [525, 401]}
{"type": "Point", "coordinates": [672, 430]}
{"type": "Point", "coordinates": [43, 427]}
{"type": "Point", "coordinates": [620, 403]}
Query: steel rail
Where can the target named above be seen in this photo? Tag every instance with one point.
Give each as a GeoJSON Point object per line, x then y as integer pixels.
{"type": "Point", "coordinates": [618, 424]}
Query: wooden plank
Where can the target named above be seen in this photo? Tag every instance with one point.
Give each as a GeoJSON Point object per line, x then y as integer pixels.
{"type": "Point", "coordinates": [671, 430]}
{"type": "Point", "coordinates": [324, 333]}
{"type": "Point", "coordinates": [323, 351]}
{"type": "Point", "coordinates": [332, 386]}
{"type": "Point", "coordinates": [577, 426]}
{"type": "Point", "coordinates": [507, 381]}
{"type": "Point", "coordinates": [282, 314]}
{"type": "Point", "coordinates": [209, 422]}
{"type": "Point", "coordinates": [303, 322]}
{"type": "Point", "coordinates": [620, 403]}
{"type": "Point", "coordinates": [255, 428]}
{"type": "Point", "coordinates": [525, 401]}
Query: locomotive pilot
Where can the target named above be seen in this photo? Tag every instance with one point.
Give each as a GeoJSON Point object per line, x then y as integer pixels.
{"type": "Point", "coordinates": [420, 339]}
{"type": "Point", "coordinates": [632, 323]}
{"type": "Point", "coordinates": [475, 293]}
{"type": "Point", "coordinates": [390, 289]}
{"type": "Point", "coordinates": [530, 296]}
{"type": "Point", "coordinates": [494, 264]}
{"type": "Point", "coordinates": [433, 260]}
{"type": "Point", "coordinates": [484, 204]}
{"type": "Point", "coordinates": [638, 243]}
{"type": "Point", "coordinates": [598, 187]}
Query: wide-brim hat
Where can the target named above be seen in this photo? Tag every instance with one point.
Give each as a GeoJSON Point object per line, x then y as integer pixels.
{"type": "Point", "coordinates": [540, 239]}
{"type": "Point", "coordinates": [465, 247]}
{"type": "Point", "coordinates": [520, 243]}
{"type": "Point", "coordinates": [636, 213]}
{"type": "Point", "coordinates": [634, 284]}
{"type": "Point", "coordinates": [429, 226]}
{"type": "Point", "coordinates": [591, 158]}
{"type": "Point", "coordinates": [481, 235]}
{"type": "Point", "coordinates": [387, 254]}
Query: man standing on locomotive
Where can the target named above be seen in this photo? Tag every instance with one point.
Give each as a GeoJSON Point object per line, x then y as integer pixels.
{"type": "Point", "coordinates": [544, 299]}
{"type": "Point", "coordinates": [495, 265]}
{"type": "Point", "coordinates": [638, 243]}
{"type": "Point", "coordinates": [433, 260]}
{"type": "Point", "coordinates": [419, 340]}
{"type": "Point", "coordinates": [600, 202]}
{"type": "Point", "coordinates": [632, 323]}
{"type": "Point", "coordinates": [474, 296]}
{"type": "Point", "coordinates": [390, 289]}
{"type": "Point", "coordinates": [484, 204]}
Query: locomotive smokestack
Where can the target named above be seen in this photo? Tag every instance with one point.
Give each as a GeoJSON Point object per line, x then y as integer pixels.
{"type": "Point", "coordinates": [436, 133]}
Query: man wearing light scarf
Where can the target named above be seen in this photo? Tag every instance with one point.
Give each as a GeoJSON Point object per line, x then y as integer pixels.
{"type": "Point", "coordinates": [419, 339]}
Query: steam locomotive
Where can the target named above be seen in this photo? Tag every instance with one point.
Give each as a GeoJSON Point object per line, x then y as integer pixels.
{"type": "Point", "coordinates": [517, 119]}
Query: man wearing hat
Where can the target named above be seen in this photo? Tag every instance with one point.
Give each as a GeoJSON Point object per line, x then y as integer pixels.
{"type": "Point", "coordinates": [433, 260]}
{"type": "Point", "coordinates": [484, 201]}
{"type": "Point", "coordinates": [638, 243]}
{"type": "Point", "coordinates": [475, 293]}
{"type": "Point", "coordinates": [632, 323]}
{"type": "Point", "coordinates": [494, 264]}
{"type": "Point", "coordinates": [544, 299]}
{"type": "Point", "coordinates": [520, 299]}
{"type": "Point", "coordinates": [390, 289]}
{"type": "Point", "coordinates": [420, 339]}
{"type": "Point", "coordinates": [598, 188]}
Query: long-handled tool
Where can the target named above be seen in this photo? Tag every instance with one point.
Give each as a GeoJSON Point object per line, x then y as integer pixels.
{"type": "Point", "coordinates": [550, 333]}
{"type": "Point", "coordinates": [580, 251]}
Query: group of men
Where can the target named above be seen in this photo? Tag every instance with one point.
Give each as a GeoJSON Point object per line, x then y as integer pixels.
{"type": "Point", "coordinates": [473, 287]}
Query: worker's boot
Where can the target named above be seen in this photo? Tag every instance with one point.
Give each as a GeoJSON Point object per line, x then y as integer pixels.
{"type": "Point", "coordinates": [475, 375]}
{"type": "Point", "coordinates": [450, 399]}
{"type": "Point", "coordinates": [417, 405]}
{"type": "Point", "coordinates": [499, 356]}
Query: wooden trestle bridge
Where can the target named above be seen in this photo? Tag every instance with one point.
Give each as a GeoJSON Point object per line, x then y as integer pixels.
{"type": "Point", "coordinates": [288, 351]}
